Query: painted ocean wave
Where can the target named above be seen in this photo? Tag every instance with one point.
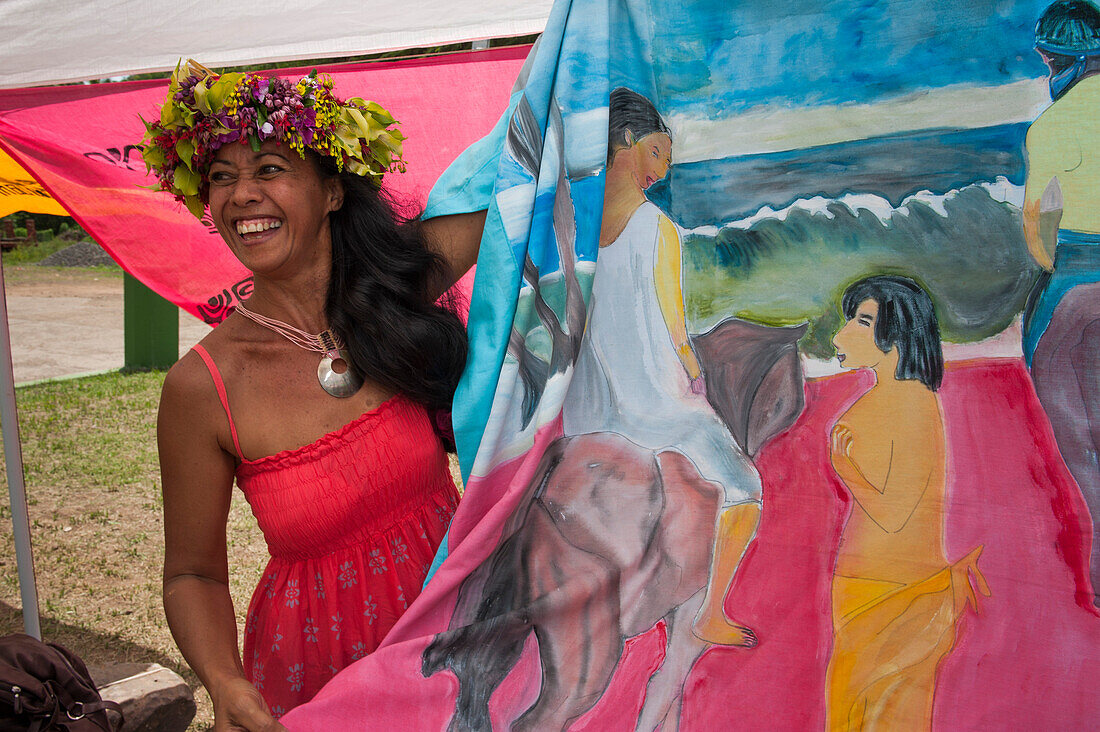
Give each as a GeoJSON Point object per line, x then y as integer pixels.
{"type": "Point", "coordinates": [1001, 189]}
{"type": "Point", "coordinates": [791, 264]}
{"type": "Point", "coordinates": [895, 167]}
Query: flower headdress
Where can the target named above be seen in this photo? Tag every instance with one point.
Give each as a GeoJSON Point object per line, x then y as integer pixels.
{"type": "Point", "coordinates": [204, 111]}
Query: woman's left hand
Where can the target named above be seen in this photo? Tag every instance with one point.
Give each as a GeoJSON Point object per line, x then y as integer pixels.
{"type": "Point", "coordinates": [699, 385]}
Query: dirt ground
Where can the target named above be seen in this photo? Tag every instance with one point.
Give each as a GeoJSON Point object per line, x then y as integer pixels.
{"type": "Point", "coordinates": [68, 320]}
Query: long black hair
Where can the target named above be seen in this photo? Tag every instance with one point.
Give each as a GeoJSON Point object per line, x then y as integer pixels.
{"type": "Point", "coordinates": [906, 319]}
{"type": "Point", "coordinates": [629, 111]}
{"type": "Point", "coordinates": [382, 297]}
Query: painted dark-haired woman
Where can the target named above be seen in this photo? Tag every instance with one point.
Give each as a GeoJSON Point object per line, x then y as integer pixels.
{"type": "Point", "coordinates": [896, 599]}
{"type": "Point", "coordinates": [316, 396]}
{"type": "Point", "coordinates": [637, 374]}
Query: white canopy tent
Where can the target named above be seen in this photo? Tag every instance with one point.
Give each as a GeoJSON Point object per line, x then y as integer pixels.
{"type": "Point", "coordinates": [56, 41]}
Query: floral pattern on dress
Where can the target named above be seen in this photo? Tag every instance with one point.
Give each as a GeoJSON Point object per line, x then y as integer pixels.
{"type": "Point", "coordinates": [295, 676]}
{"type": "Point", "coordinates": [377, 561]}
{"type": "Point", "coordinates": [275, 638]}
{"type": "Point", "coordinates": [399, 549]}
{"type": "Point", "coordinates": [257, 672]}
{"type": "Point", "coordinates": [292, 593]}
{"type": "Point", "coordinates": [272, 589]}
{"type": "Point", "coordinates": [348, 575]}
{"type": "Point", "coordinates": [310, 631]}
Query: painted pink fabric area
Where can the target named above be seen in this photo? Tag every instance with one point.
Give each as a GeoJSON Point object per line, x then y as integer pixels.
{"type": "Point", "coordinates": [94, 169]}
{"type": "Point", "coordinates": [1026, 662]}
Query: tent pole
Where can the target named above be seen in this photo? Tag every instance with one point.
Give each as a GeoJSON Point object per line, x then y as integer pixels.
{"type": "Point", "coordinates": [13, 461]}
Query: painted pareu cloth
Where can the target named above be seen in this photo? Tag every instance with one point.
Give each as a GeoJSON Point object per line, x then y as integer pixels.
{"type": "Point", "coordinates": [678, 513]}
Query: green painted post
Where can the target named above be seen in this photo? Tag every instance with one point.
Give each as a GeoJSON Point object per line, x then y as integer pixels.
{"type": "Point", "coordinates": [151, 327]}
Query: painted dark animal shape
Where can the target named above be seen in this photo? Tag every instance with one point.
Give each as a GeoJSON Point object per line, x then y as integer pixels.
{"type": "Point", "coordinates": [610, 539]}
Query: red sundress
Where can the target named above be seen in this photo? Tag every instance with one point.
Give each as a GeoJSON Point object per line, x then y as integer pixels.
{"type": "Point", "coordinates": [352, 522]}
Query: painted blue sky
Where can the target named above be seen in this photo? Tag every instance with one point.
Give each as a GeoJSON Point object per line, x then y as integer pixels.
{"type": "Point", "coordinates": [717, 57]}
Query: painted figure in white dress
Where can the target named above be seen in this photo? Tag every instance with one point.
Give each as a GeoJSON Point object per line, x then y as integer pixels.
{"type": "Point", "coordinates": [636, 374]}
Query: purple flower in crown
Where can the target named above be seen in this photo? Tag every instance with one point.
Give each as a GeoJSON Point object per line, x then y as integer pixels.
{"type": "Point", "coordinates": [292, 593]}
{"type": "Point", "coordinates": [228, 137]}
{"type": "Point", "coordinates": [295, 676]}
{"type": "Point", "coordinates": [348, 575]}
{"type": "Point", "coordinates": [307, 127]}
{"type": "Point", "coordinates": [310, 631]}
{"type": "Point", "coordinates": [358, 651]}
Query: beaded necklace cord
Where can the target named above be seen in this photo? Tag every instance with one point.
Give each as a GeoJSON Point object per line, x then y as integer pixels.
{"type": "Point", "coordinates": [327, 343]}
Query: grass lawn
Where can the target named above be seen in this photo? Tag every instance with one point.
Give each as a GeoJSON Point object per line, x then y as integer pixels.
{"type": "Point", "coordinates": [24, 254]}
{"type": "Point", "coordinates": [93, 487]}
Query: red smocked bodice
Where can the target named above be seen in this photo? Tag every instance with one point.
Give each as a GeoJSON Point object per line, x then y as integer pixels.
{"type": "Point", "coordinates": [349, 486]}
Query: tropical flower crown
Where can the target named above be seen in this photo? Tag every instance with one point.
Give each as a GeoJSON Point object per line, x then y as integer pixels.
{"type": "Point", "coordinates": [204, 111]}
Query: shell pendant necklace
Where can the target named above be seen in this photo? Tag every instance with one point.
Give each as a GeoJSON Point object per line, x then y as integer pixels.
{"type": "Point", "coordinates": [341, 384]}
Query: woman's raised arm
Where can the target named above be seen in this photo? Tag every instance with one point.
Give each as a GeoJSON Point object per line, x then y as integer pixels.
{"type": "Point", "coordinates": [456, 238]}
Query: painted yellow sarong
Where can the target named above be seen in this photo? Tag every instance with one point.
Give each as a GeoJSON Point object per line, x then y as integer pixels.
{"type": "Point", "coordinates": [889, 640]}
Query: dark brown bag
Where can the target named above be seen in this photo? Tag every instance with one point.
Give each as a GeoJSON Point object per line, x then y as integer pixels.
{"type": "Point", "coordinates": [46, 687]}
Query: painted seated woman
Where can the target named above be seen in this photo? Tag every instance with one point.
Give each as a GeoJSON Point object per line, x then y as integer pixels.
{"type": "Point", "coordinates": [896, 598]}
{"type": "Point", "coordinates": [319, 396]}
{"type": "Point", "coordinates": [637, 373]}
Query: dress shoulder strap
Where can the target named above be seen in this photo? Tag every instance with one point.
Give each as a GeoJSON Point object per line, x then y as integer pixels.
{"type": "Point", "coordinates": [222, 395]}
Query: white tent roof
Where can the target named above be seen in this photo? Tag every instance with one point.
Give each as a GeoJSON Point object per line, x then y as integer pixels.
{"type": "Point", "coordinates": [54, 41]}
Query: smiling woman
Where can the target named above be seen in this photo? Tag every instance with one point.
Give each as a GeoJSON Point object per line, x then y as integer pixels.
{"type": "Point", "coordinates": [325, 397]}
{"type": "Point", "coordinates": [272, 207]}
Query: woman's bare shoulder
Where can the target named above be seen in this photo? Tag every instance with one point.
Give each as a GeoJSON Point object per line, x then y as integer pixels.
{"type": "Point", "coordinates": [189, 384]}
{"type": "Point", "coordinates": [870, 413]}
{"type": "Point", "coordinates": [893, 414]}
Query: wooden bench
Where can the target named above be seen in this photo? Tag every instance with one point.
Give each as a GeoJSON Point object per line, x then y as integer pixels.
{"type": "Point", "coordinates": [8, 240]}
